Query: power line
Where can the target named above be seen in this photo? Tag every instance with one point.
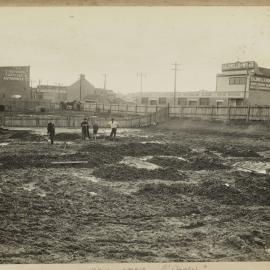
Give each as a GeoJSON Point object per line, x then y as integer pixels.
{"type": "Point", "coordinates": [175, 73]}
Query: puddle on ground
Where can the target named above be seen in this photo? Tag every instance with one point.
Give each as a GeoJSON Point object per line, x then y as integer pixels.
{"type": "Point", "coordinates": [265, 154]}
{"type": "Point", "coordinates": [4, 144]}
{"type": "Point", "coordinates": [251, 166]}
{"type": "Point", "coordinates": [93, 193]}
{"type": "Point", "coordinates": [139, 163]}
{"type": "Point", "coordinates": [155, 142]}
{"type": "Point", "coordinates": [32, 186]}
{"type": "Point", "coordinates": [198, 150]}
{"type": "Point", "coordinates": [29, 186]}
{"type": "Point", "coordinates": [90, 178]}
{"type": "Point", "coordinates": [42, 193]}
{"type": "Point", "coordinates": [173, 157]}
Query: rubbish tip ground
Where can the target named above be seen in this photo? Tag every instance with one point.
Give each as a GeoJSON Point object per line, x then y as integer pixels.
{"type": "Point", "coordinates": [178, 192]}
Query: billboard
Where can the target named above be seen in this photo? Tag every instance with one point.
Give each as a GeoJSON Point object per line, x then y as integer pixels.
{"type": "Point", "coordinates": [15, 74]}
{"type": "Point", "coordinates": [239, 66]}
{"type": "Point", "coordinates": [15, 81]}
{"type": "Point", "coordinates": [259, 83]}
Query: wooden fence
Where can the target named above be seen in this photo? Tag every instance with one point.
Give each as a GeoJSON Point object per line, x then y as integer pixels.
{"type": "Point", "coordinates": [74, 121]}
{"type": "Point", "coordinates": [137, 115]}
{"type": "Point", "coordinates": [208, 113]}
{"type": "Point", "coordinates": [222, 113]}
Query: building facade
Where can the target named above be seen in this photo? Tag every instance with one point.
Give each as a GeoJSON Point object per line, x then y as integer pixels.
{"type": "Point", "coordinates": [239, 84]}
{"type": "Point", "coordinates": [52, 93]}
{"type": "Point", "coordinates": [82, 90]}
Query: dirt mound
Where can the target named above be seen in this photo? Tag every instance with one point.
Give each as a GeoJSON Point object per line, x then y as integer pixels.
{"type": "Point", "coordinates": [201, 161]}
{"type": "Point", "coordinates": [65, 136]}
{"type": "Point", "coordinates": [127, 173]}
{"type": "Point", "coordinates": [256, 187]}
{"type": "Point", "coordinates": [222, 192]}
{"type": "Point", "coordinates": [178, 188]}
{"type": "Point", "coordinates": [3, 131]}
{"type": "Point", "coordinates": [25, 135]}
{"type": "Point", "coordinates": [139, 149]}
{"type": "Point", "coordinates": [235, 150]}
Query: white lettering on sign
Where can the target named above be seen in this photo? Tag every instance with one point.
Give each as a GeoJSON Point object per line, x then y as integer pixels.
{"type": "Point", "coordinates": [15, 73]}
{"type": "Point", "coordinates": [239, 65]}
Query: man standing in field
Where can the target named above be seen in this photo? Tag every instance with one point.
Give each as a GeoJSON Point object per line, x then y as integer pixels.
{"type": "Point", "coordinates": [85, 129]}
{"type": "Point", "coordinates": [95, 128]}
{"type": "Point", "coordinates": [51, 131]}
{"type": "Point", "coordinates": [113, 125]}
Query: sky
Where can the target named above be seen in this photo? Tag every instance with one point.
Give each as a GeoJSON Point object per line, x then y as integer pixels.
{"type": "Point", "coordinates": [60, 43]}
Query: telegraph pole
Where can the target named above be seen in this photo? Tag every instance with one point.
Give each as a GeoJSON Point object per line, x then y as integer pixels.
{"type": "Point", "coordinates": [175, 72]}
{"type": "Point", "coordinates": [105, 80]}
{"type": "Point", "coordinates": [141, 76]}
{"type": "Point", "coordinates": [80, 87]}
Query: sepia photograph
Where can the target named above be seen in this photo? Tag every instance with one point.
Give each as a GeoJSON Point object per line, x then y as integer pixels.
{"type": "Point", "coordinates": [134, 134]}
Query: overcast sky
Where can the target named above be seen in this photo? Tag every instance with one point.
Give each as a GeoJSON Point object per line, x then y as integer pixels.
{"type": "Point", "coordinates": [61, 43]}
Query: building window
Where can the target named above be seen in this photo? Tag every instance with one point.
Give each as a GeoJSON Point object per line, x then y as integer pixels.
{"type": "Point", "coordinates": [237, 80]}
{"type": "Point", "coordinates": [153, 102]}
{"type": "Point", "coordinates": [144, 100]}
{"type": "Point", "coordinates": [192, 103]}
{"type": "Point", "coordinates": [204, 102]}
{"type": "Point", "coordinates": [182, 101]}
{"type": "Point", "coordinates": [162, 100]}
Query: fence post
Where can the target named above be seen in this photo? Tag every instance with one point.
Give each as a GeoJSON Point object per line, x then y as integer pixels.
{"type": "Point", "coordinates": [229, 113]}
{"type": "Point", "coordinates": [127, 109]}
{"type": "Point", "coordinates": [212, 113]}
{"type": "Point", "coordinates": [96, 107]}
{"type": "Point", "coordinates": [103, 108]}
{"type": "Point", "coordinates": [136, 109]}
{"type": "Point", "coordinates": [248, 114]}
{"type": "Point", "coordinates": [168, 112]}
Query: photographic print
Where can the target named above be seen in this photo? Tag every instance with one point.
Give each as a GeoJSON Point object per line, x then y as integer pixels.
{"type": "Point", "coordinates": [134, 134]}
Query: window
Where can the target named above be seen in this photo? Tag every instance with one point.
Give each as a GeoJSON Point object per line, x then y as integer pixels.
{"type": "Point", "coordinates": [192, 103]}
{"type": "Point", "coordinates": [204, 101]}
{"type": "Point", "coordinates": [182, 101]}
{"type": "Point", "coordinates": [144, 100]}
{"type": "Point", "coordinates": [153, 102]}
{"type": "Point", "coordinates": [162, 100]}
{"type": "Point", "coordinates": [237, 80]}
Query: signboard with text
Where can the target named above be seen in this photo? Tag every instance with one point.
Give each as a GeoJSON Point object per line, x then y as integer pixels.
{"type": "Point", "coordinates": [239, 65]}
{"type": "Point", "coordinates": [259, 83]}
{"type": "Point", "coordinates": [21, 73]}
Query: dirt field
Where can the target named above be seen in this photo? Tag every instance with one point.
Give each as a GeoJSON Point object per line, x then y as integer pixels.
{"type": "Point", "coordinates": [183, 191]}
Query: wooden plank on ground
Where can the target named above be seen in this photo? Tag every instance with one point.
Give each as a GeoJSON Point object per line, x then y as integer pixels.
{"type": "Point", "coordinates": [70, 162]}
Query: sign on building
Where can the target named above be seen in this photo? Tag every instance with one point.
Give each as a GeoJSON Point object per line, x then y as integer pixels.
{"type": "Point", "coordinates": [15, 74]}
{"type": "Point", "coordinates": [239, 66]}
{"type": "Point", "coordinates": [259, 83]}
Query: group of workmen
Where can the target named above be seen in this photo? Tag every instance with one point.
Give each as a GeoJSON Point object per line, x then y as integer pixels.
{"type": "Point", "coordinates": [85, 126]}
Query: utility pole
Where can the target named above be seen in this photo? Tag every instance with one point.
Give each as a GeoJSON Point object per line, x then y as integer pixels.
{"type": "Point", "coordinates": [175, 72]}
{"type": "Point", "coordinates": [105, 80]}
{"type": "Point", "coordinates": [80, 87]}
{"type": "Point", "coordinates": [141, 76]}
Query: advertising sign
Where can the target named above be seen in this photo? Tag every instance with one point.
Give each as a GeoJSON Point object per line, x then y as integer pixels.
{"type": "Point", "coordinates": [259, 83]}
{"type": "Point", "coordinates": [15, 74]}
{"type": "Point", "coordinates": [239, 65]}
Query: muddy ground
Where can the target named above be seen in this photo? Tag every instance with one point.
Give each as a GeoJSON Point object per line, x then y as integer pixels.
{"type": "Point", "coordinates": [183, 191]}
